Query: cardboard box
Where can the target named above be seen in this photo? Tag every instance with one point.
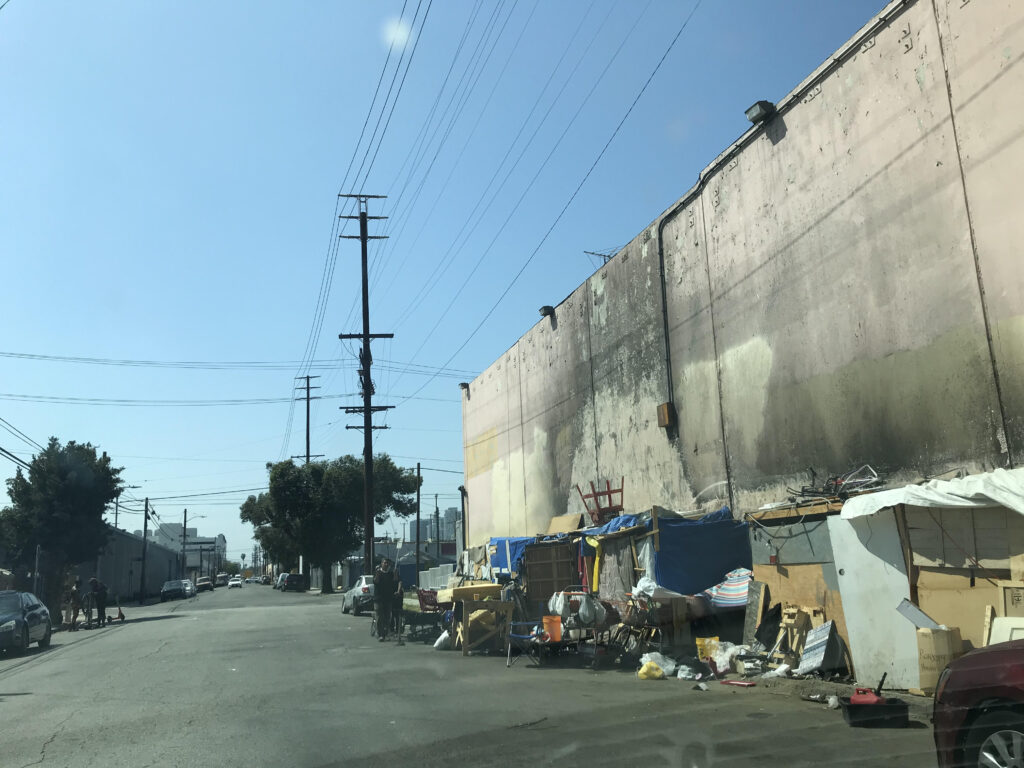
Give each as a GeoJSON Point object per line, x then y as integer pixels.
{"type": "Point", "coordinates": [935, 649]}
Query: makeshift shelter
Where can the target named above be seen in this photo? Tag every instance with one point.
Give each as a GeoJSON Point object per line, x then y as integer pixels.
{"type": "Point", "coordinates": [693, 555]}
{"type": "Point", "coordinates": [948, 546]}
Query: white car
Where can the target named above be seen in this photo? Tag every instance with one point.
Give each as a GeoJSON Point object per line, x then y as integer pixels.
{"type": "Point", "coordinates": [235, 581]}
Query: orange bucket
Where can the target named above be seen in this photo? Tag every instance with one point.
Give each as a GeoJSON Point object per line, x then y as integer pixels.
{"type": "Point", "coordinates": [553, 627]}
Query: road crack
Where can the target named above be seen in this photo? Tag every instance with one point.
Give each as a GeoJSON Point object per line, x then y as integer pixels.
{"type": "Point", "coordinates": [156, 650]}
{"type": "Point", "coordinates": [57, 732]}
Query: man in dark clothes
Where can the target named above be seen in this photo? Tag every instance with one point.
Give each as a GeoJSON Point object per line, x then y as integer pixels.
{"type": "Point", "coordinates": [384, 586]}
{"type": "Point", "coordinates": [99, 594]}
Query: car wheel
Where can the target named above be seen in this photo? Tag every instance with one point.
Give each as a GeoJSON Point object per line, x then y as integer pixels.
{"type": "Point", "coordinates": [356, 610]}
{"type": "Point", "coordinates": [344, 606]}
{"type": "Point", "coordinates": [45, 642]}
{"type": "Point", "coordinates": [996, 740]}
{"type": "Point", "coordinates": [24, 640]}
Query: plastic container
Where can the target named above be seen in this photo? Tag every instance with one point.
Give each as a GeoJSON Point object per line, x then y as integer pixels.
{"type": "Point", "coordinates": [553, 627]}
{"type": "Point", "coordinates": [887, 713]}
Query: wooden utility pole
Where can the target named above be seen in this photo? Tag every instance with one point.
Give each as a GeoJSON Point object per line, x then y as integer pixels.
{"type": "Point", "coordinates": [418, 481]}
{"type": "Point", "coordinates": [365, 379]}
{"type": "Point", "coordinates": [308, 398]}
{"type": "Point", "coordinates": [142, 568]}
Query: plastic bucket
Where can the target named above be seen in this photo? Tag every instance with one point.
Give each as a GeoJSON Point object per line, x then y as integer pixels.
{"type": "Point", "coordinates": [553, 627]}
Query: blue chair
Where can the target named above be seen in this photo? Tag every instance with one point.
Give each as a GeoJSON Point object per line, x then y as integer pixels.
{"type": "Point", "coordinates": [525, 636]}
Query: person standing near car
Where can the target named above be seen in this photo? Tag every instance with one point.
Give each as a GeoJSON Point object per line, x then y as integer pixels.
{"type": "Point", "coordinates": [99, 594]}
{"type": "Point", "coordinates": [385, 584]}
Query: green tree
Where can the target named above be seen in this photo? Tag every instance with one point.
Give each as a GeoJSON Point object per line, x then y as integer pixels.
{"type": "Point", "coordinates": [59, 506]}
{"type": "Point", "coordinates": [316, 509]}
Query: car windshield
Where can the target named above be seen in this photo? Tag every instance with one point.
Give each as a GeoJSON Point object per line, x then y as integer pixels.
{"type": "Point", "coordinates": [591, 381]}
{"type": "Point", "coordinates": [10, 604]}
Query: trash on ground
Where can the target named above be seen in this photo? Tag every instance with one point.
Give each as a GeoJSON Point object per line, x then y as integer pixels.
{"type": "Point", "coordinates": [651, 671]}
{"type": "Point", "coordinates": [668, 666]}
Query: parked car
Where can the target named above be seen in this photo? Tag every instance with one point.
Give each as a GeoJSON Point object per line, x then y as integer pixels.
{"type": "Point", "coordinates": [294, 582]}
{"type": "Point", "coordinates": [204, 584]}
{"type": "Point", "coordinates": [23, 620]}
{"type": "Point", "coordinates": [978, 713]}
{"type": "Point", "coordinates": [234, 581]}
{"type": "Point", "coordinates": [280, 581]}
{"type": "Point", "coordinates": [173, 590]}
{"type": "Point", "coordinates": [265, 580]}
{"type": "Point", "coordinates": [360, 597]}
{"type": "Point", "coordinates": [190, 588]}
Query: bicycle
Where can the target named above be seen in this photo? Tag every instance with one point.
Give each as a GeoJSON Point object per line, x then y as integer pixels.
{"type": "Point", "coordinates": [397, 625]}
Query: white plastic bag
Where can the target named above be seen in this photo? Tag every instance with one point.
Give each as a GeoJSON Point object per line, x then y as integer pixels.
{"type": "Point", "coordinates": [688, 673]}
{"type": "Point", "coordinates": [645, 586]}
{"type": "Point", "coordinates": [725, 652]}
{"type": "Point", "coordinates": [591, 613]}
{"type": "Point", "coordinates": [558, 605]}
{"type": "Point", "coordinates": [780, 671]}
{"type": "Point", "coordinates": [668, 666]}
{"type": "Point", "coordinates": [443, 643]}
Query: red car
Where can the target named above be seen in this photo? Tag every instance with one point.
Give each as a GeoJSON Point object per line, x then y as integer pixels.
{"type": "Point", "coordinates": [978, 713]}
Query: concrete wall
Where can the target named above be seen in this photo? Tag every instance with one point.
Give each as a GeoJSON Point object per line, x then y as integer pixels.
{"type": "Point", "coordinates": [119, 566]}
{"type": "Point", "coordinates": [842, 286]}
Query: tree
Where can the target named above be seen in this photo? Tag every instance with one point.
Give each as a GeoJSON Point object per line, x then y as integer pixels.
{"type": "Point", "coordinates": [59, 506]}
{"type": "Point", "coordinates": [316, 509]}
{"type": "Point", "coordinates": [230, 567]}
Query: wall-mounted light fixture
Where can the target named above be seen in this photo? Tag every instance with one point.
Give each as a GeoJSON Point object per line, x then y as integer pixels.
{"type": "Point", "coordinates": [547, 311]}
{"type": "Point", "coordinates": [760, 111]}
{"type": "Point", "coordinates": [464, 385]}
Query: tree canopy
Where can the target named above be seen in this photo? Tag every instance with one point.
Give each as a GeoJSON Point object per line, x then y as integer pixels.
{"type": "Point", "coordinates": [59, 505]}
{"type": "Point", "coordinates": [316, 509]}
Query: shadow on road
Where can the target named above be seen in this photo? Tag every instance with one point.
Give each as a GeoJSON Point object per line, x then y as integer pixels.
{"type": "Point", "coordinates": [5, 695]}
{"type": "Point", "coordinates": [152, 618]}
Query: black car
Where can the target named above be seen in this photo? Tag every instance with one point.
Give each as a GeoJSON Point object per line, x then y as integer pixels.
{"type": "Point", "coordinates": [294, 582]}
{"type": "Point", "coordinates": [23, 620]}
{"type": "Point", "coordinates": [173, 589]}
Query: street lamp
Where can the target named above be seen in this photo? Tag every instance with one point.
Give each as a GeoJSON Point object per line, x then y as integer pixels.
{"type": "Point", "coordinates": [184, 539]}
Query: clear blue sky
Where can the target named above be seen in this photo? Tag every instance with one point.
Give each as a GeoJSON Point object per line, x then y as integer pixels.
{"type": "Point", "coordinates": [168, 182]}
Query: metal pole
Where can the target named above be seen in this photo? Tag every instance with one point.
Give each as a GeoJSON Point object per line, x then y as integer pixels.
{"type": "Point", "coordinates": [462, 494]}
{"type": "Point", "coordinates": [418, 481]}
{"type": "Point", "coordinates": [307, 419]}
{"type": "Point", "coordinates": [117, 502]}
{"type": "Point", "coordinates": [145, 537]}
{"type": "Point", "coordinates": [437, 529]}
{"type": "Point", "coordinates": [35, 572]}
{"type": "Point", "coordinates": [184, 536]}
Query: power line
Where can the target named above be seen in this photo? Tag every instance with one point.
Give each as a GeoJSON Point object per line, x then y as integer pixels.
{"type": "Point", "coordinates": [572, 197]}
{"type": "Point", "coordinates": [199, 495]}
{"type": "Point", "coordinates": [128, 403]}
{"type": "Point", "coordinates": [19, 434]}
{"type": "Point", "coordinates": [12, 457]}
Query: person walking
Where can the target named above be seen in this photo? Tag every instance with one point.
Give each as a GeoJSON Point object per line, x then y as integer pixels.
{"type": "Point", "coordinates": [99, 594]}
{"type": "Point", "coordinates": [385, 584]}
{"type": "Point", "coordinates": [76, 603]}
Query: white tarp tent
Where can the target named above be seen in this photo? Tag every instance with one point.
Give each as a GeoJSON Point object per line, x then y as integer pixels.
{"type": "Point", "coordinates": [999, 488]}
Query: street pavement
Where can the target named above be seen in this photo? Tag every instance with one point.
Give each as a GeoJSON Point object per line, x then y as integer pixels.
{"type": "Point", "coordinates": [254, 677]}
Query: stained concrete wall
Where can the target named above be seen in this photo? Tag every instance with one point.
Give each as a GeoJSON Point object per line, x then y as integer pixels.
{"type": "Point", "coordinates": [842, 286]}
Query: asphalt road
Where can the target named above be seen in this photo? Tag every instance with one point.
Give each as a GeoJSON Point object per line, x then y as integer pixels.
{"type": "Point", "coordinates": [253, 677]}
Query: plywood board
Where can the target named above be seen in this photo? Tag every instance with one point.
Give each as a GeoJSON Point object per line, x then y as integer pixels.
{"type": "Point", "coordinates": [946, 595]}
{"type": "Point", "coordinates": [810, 584]}
{"type": "Point", "coordinates": [758, 596]}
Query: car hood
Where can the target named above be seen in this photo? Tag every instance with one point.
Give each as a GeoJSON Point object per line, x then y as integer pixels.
{"type": "Point", "coordinates": [5, 617]}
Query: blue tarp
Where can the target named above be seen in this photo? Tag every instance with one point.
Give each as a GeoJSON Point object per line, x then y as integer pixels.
{"type": "Point", "coordinates": [516, 549]}
{"type": "Point", "coordinates": [613, 525]}
{"type": "Point", "coordinates": [694, 555]}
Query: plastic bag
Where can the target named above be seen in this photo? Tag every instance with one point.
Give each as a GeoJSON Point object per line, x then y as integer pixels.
{"type": "Point", "coordinates": [645, 586]}
{"type": "Point", "coordinates": [558, 605]}
{"type": "Point", "coordinates": [443, 642]}
{"type": "Point", "coordinates": [651, 671]}
{"type": "Point", "coordinates": [668, 666]}
{"type": "Point", "coordinates": [591, 613]}
{"type": "Point", "coordinates": [688, 673]}
{"type": "Point", "coordinates": [724, 653]}
{"type": "Point", "coordinates": [780, 671]}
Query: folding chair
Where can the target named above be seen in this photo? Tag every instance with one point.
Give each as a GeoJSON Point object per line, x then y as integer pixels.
{"type": "Point", "coordinates": [525, 635]}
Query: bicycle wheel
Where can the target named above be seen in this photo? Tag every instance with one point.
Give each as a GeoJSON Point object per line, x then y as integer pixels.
{"type": "Point", "coordinates": [373, 624]}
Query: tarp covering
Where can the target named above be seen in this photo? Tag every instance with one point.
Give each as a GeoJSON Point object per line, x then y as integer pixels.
{"type": "Point", "coordinates": [613, 525]}
{"type": "Point", "coordinates": [999, 488]}
{"type": "Point", "coordinates": [516, 546]}
{"type": "Point", "coordinates": [693, 555]}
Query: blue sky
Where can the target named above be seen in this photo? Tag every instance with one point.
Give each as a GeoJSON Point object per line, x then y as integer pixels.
{"type": "Point", "coordinates": [168, 183]}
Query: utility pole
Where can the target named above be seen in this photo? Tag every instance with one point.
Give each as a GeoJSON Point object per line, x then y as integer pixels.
{"type": "Point", "coordinates": [418, 522]}
{"type": "Point", "coordinates": [437, 529]}
{"type": "Point", "coordinates": [366, 381]}
{"type": "Point", "coordinates": [184, 536]}
{"type": "Point", "coordinates": [308, 398]}
{"type": "Point", "coordinates": [35, 573]}
{"type": "Point", "coordinates": [142, 568]}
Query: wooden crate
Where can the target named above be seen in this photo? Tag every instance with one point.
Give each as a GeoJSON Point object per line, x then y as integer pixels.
{"type": "Point", "coordinates": [548, 567]}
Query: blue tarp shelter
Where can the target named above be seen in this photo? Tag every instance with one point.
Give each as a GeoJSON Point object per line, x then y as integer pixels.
{"type": "Point", "coordinates": [507, 552]}
{"type": "Point", "coordinates": [694, 555]}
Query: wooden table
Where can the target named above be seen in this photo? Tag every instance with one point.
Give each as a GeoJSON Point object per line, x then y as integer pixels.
{"type": "Point", "coordinates": [502, 617]}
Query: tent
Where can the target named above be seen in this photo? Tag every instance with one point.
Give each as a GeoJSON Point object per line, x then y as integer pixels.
{"type": "Point", "coordinates": [694, 555]}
